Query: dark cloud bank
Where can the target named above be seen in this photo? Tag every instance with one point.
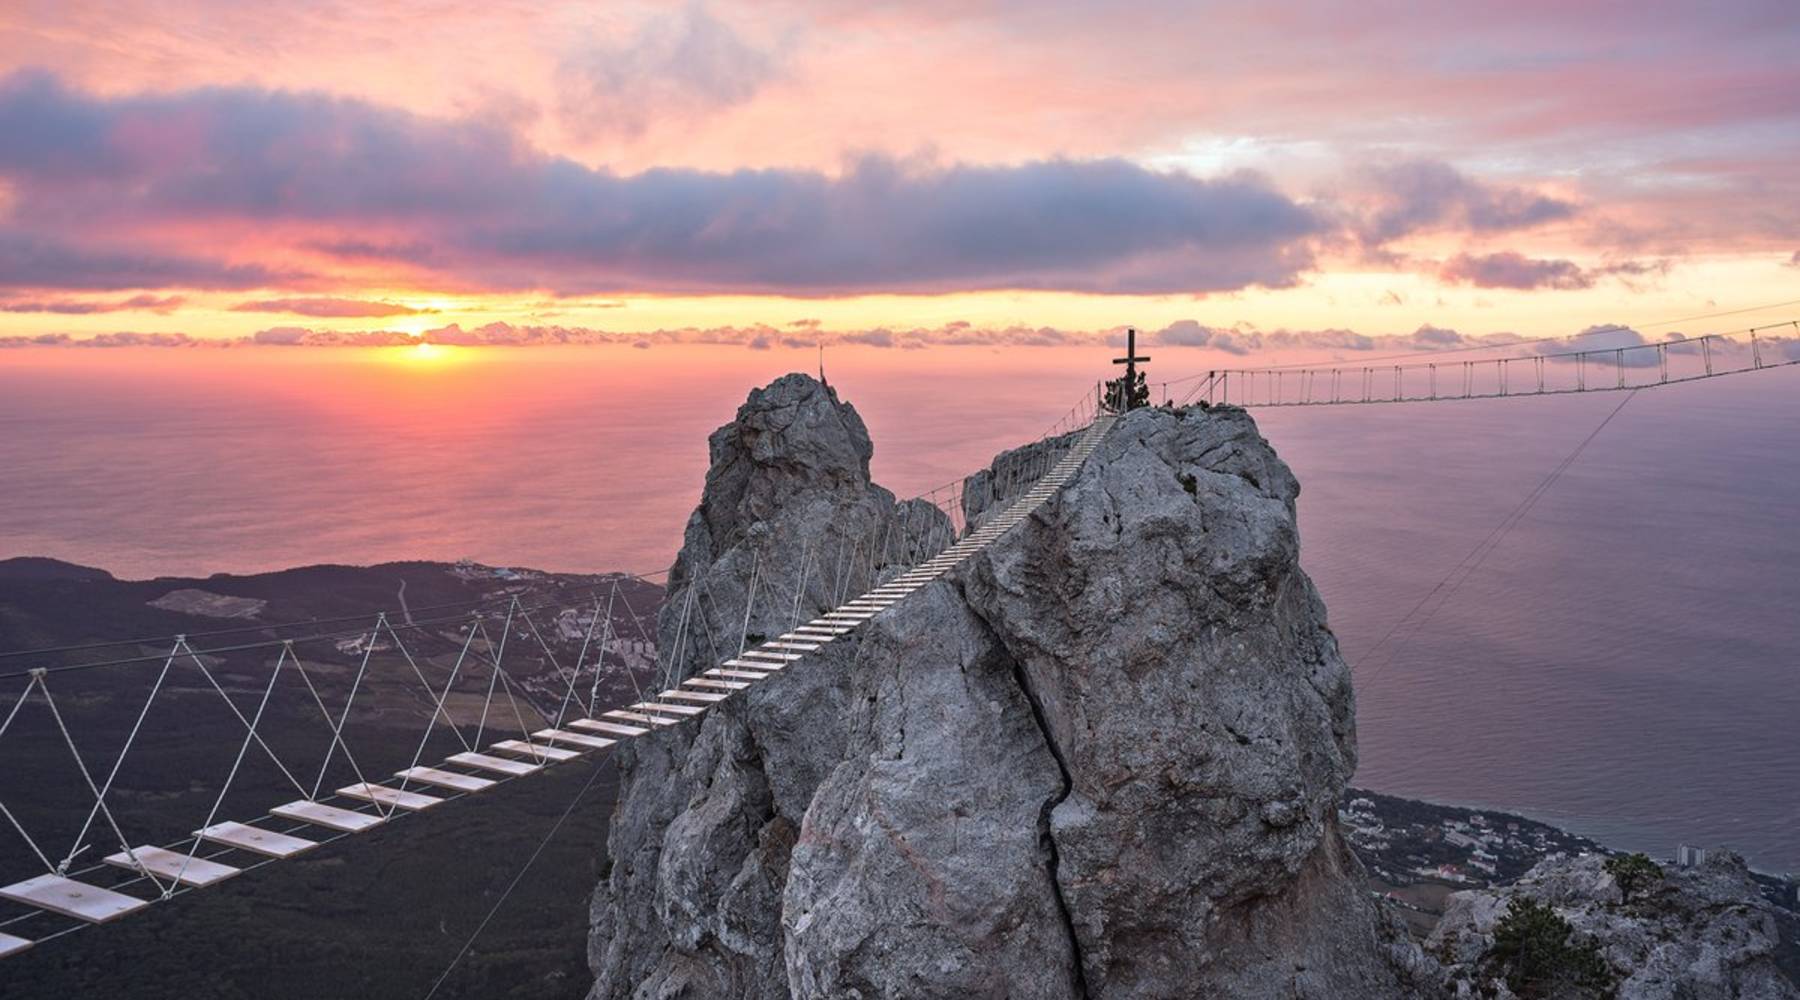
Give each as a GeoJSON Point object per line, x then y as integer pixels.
{"type": "Point", "coordinates": [104, 189]}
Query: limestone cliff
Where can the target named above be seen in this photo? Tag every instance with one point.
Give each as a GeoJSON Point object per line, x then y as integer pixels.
{"type": "Point", "coordinates": [1101, 759]}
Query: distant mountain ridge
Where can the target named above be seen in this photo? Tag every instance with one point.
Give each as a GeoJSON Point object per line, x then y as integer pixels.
{"type": "Point", "coordinates": [35, 569]}
{"type": "Point", "coordinates": [50, 602]}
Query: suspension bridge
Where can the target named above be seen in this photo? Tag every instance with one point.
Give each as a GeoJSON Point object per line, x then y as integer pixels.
{"type": "Point", "coordinates": [527, 724]}
{"type": "Point", "coordinates": [1552, 373]}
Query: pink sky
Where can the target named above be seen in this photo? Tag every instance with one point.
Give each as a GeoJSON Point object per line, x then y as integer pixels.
{"type": "Point", "coordinates": [218, 169]}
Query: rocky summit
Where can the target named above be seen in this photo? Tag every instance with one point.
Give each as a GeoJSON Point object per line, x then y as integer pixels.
{"type": "Point", "coordinates": [1102, 758]}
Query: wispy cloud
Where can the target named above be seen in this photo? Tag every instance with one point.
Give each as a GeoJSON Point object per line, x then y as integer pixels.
{"type": "Point", "coordinates": [1512, 270]}
{"type": "Point", "coordinates": [87, 307]}
{"type": "Point", "coordinates": [1399, 199]}
{"type": "Point", "coordinates": [300, 336]}
{"type": "Point", "coordinates": [678, 67]}
{"type": "Point", "coordinates": [329, 307]}
{"type": "Point", "coordinates": [119, 338]}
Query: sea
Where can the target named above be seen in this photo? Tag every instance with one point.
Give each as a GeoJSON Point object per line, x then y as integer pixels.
{"type": "Point", "coordinates": [1613, 647]}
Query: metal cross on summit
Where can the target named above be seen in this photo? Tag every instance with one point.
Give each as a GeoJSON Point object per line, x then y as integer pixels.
{"type": "Point", "coordinates": [1129, 392]}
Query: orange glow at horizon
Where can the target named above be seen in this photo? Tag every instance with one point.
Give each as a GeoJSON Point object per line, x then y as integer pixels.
{"type": "Point", "coordinates": [1373, 303]}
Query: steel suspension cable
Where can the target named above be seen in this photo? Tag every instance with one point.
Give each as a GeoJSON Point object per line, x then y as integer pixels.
{"type": "Point", "coordinates": [1475, 556]}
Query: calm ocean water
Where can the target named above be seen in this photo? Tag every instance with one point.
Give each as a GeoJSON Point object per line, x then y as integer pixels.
{"type": "Point", "coordinates": [1626, 662]}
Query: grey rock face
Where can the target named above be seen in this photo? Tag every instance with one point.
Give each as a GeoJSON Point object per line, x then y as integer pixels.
{"type": "Point", "coordinates": [1702, 933]}
{"type": "Point", "coordinates": [708, 812]}
{"type": "Point", "coordinates": [921, 869]}
{"type": "Point", "coordinates": [1203, 716]}
{"type": "Point", "coordinates": [787, 506]}
{"type": "Point", "coordinates": [1102, 759]}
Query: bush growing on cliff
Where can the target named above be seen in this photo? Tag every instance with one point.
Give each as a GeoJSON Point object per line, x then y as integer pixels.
{"type": "Point", "coordinates": [1633, 872]}
{"type": "Point", "coordinates": [1535, 955]}
{"type": "Point", "coordinates": [1121, 396]}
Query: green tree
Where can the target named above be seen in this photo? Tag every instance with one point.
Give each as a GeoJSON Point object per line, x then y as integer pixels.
{"type": "Point", "coordinates": [1121, 397]}
{"type": "Point", "coordinates": [1633, 872]}
{"type": "Point", "coordinates": [1534, 951]}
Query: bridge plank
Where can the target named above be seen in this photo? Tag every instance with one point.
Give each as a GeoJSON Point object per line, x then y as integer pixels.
{"type": "Point", "coordinates": [70, 898]}
{"type": "Point", "coordinates": [540, 752]}
{"type": "Point", "coordinates": [747, 675]}
{"type": "Point", "coordinates": [619, 713]}
{"type": "Point", "coordinates": [496, 765]}
{"type": "Point", "coordinates": [615, 728]}
{"type": "Point", "coordinates": [658, 706]}
{"type": "Point", "coordinates": [255, 840]}
{"type": "Point", "coordinates": [709, 683]}
{"type": "Point", "coordinates": [700, 696]}
{"type": "Point", "coordinates": [445, 779]}
{"type": "Point", "coordinates": [762, 667]}
{"type": "Point", "coordinates": [330, 817]}
{"type": "Point", "coordinates": [168, 864]}
{"type": "Point", "coordinates": [578, 739]}
{"type": "Point", "coordinates": [383, 795]}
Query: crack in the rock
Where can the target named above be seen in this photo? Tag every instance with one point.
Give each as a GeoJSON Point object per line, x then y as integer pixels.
{"type": "Point", "coordinates": [1042, 722]}
{"type": "Point", "coordinates": [1068, 787]}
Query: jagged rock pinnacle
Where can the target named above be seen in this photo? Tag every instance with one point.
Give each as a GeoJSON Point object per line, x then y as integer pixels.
{"type": "Point", "coordinates": [1102, 759]}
